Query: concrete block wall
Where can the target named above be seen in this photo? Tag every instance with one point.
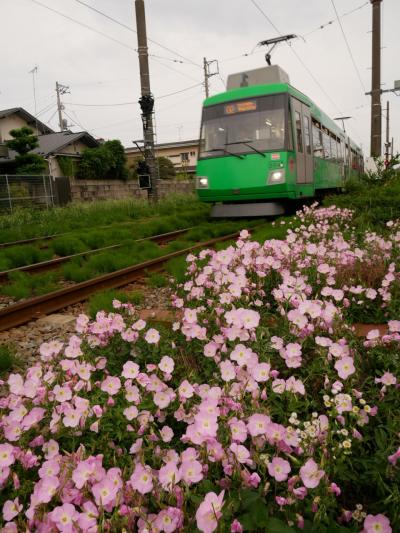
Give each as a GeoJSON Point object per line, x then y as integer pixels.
{"type": "Point", "coordinates": [92, 190]}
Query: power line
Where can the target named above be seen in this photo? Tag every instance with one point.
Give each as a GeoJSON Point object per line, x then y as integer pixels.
{"type": "Point", "coordinates": [297, 56]}
{"type": "Point", "coordinates": [174, 69]}
{"type": "Point", "coordinates": [132, 30]}
{"type": "Point", "coordinates": [84, 25]}
{"type": "Point", "coordinates": [348, 48]}
{"type": "Point", "coordinates": [135, 102]}
{"type": "Point", "coordinates": [323, 26]}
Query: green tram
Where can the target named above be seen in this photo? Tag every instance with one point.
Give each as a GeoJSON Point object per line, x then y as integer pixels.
{"type": "Point", "coordinates": [263, 143]}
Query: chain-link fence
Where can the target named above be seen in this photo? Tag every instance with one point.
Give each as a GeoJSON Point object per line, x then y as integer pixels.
{"type": "Point", "coordinates": [26, 191]}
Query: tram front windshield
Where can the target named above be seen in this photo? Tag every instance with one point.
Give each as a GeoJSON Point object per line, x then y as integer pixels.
{"type": "Point", "coordinates": [258, 122]}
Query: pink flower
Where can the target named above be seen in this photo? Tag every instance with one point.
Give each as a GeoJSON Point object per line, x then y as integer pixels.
{"type": "Point", "coordinates": [191, 471]}
{"type": "Point", "coordinates": [257, 424]}
{"type": "Point", "coordinates": [260, 372]}
{"type": "Point", "coordinates": [166, 434]}
{"type": "Point", "coordinates": [11, 509]}
{"type": "Point", "coordinates": [209, 512]}
{"type": "Point", "coordinates": [236, 527]}
{"type": "Point", "coordinates": [166, 365]}
{"type": "Point", "coordinates": [131, 412]}
{"type": "Point", "coordinates": [227, 371]}
{"type": "Point", "coordinates": [152, 336]}
{"type": "Point", "coordinates": [242, 454]}
{"type": "Point", "coordinates": [345, 367]}
{"type": "Point", "coordinates": [64, 516]}
{"type": "Point", "coordinates": [130, 370]}
{"type": "Point", "coordinates": [62, 394]}
{"type": "Point", "coordinates": [111, 385]}
{"type": "Point", "coordinates": [87, 519]}
{"type": "Point", "coordinates": [395, 457]}
{"type": "Point", "coordinates": [105, 491]}
{"type": "Point", "coordinates": [279, 468]}
{"type": "Point", "coordinates": [169, 475]}
{"type": "Point", "coordinates": [387, 379]}
{"type": "Point", "coordinates": [310, 475]}
{"type": "Point", "coordinates": [377, 524]}
{"type": "Point", "coordinates": [185, 389]}
{"type": "Point", "coordinates": [6, 455]}
{"type": "Point", "coordinates": [142, 479]}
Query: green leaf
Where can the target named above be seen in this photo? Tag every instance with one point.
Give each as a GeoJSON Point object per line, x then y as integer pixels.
{"type": "Point", "coordinates": [274, 525]}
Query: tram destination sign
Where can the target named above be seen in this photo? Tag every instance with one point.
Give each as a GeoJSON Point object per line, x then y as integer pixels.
{"type": "Point", "coordinates": [240, 107]}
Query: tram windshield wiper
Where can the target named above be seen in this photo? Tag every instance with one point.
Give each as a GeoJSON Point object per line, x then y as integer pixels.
{"type": "Point", "coordinates": [226, 151]}
{"type": "Point", "coordinates": [246, 143]}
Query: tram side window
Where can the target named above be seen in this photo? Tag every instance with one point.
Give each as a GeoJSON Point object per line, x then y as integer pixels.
{"type": "Point", "coordinates": [334, 150]}
{"type": "Point", "coordinates": [307, 138]}
{"type": "Point", "coordinates": [317, 140]}
{"type": "Point", "coordinates": [298, 132]}
{"type": "Point", "coordinates": [327, 144]}
{"type": "Point", "coordinates": [340, 150]}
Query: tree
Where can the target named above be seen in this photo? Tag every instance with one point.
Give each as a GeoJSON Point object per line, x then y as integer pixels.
{"type": "Point", "coordinates": [165, 165]}
{"type": "Point", "coordinates": [104, 162]}
{"type": "Point", "coordinates": [167, 169]}
{"type": "Point", "coordinates": [23, 142]}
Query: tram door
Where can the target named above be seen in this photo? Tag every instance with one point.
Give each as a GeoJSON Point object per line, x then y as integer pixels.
{"type": "Point", "coordinates": [301, 117]}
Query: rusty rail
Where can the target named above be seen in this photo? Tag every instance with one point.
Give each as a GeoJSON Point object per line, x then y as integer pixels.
{"type": "Point", "coordinates": [23, 312]}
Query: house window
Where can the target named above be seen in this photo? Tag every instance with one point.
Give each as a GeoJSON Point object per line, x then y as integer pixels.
{"type": "Point", "coordinates": [185, 157]}
{"type": "Point", "coordinates": [192, 154]}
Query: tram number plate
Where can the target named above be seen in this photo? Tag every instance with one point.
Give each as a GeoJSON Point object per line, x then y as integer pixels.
{"type": "Point", "coordinates": [240, 107]}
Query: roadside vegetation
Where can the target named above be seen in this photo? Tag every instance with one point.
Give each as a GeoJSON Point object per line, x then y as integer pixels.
{"type": "Point", "coordinates": [259, 410]}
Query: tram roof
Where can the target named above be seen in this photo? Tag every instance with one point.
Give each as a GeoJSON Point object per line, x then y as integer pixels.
{"type": "Point", "coordinates": [278, 88]}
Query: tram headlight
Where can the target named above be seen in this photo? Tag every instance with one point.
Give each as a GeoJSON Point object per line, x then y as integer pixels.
{"type": "Point", "coordinates": [202, 182]}
{"type": "Point", "coordinates": [276, 176]}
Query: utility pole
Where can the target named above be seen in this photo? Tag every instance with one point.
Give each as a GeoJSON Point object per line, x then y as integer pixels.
{"type": "Point", "coordinates": [208, 74]}
{"type": "Point", "coordinates": [387, 143]}
{"type": "Point", "coordinates": [376, 110]}
{"type": "Point", "coordinates": [146, 102]}
{"type": "Point", "coordinates": [61, 89]}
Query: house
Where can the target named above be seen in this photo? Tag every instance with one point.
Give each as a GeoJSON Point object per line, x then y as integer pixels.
{"type": "Point", "coordinates": [183, 154]}
{"type": "Point", "coordinates": [17, 117]}
{"type": "Point", "coordinates": [62, 145]}
{"type": "Point", "coordinates": [52, 145]}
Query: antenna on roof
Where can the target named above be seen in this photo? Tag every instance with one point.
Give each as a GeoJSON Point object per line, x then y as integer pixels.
{"type": "Point", "coordinates": [33, 72]}
{"type": "Point", "coordinates": [273, 42]}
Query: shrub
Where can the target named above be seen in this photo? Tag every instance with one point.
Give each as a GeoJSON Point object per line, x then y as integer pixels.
{"type": "Point", "coordinates": [259, 410]}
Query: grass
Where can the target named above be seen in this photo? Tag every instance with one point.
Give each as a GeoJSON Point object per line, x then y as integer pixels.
{"type": "Point", "coordinates": [374, 203]}
{"type": "Point", "coordinates": [102, 301]}
{"type": "Point", "coordinates": [8, 359]}
{"type": "Point", "coordinates": [26, 223]}
{"type": "Point", "coordinates": [25, 286]}
{"type": "Point", "coordinates": [157, 280]}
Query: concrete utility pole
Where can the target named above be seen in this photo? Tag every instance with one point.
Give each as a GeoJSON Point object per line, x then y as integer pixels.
{"type": "Point", "coordinates": [387, 143]}
{"type": "Point", "coordinates": [61, 89]}
{"type": "Point", "coordinates": [208, 74]}
{"type": "Point", "coordinates": [146, 101]}
{"type": "Point", "coordinates": [376, 110]}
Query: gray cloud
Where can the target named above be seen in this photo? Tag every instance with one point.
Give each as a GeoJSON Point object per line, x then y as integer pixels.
{"type": "Point", "coordinates": [99, 70]}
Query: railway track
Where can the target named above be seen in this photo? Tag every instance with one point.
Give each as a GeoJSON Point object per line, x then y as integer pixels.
{"type": "Point", "coordinates": [51, 264]}
{"type": "Point", "coordinates": [20, 313]}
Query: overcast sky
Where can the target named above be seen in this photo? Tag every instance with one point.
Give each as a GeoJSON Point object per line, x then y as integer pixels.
{"type": "Point", "coordinates": [99, 70]}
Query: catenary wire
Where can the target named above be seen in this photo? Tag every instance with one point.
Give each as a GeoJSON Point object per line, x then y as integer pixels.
{"type": "Point", "coordinates": [323, 26]}
{"type": "Point", "coordinates": [348, 48]}
{"type": "Point", "coordinates": [132, 30]}
{"type": "Point", "coordinates": [297, 56]}
{"type": "Point", "coordinates": [134, 102]}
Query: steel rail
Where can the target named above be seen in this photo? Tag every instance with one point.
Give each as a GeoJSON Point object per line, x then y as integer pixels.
{"type": "Point", "coordinates": [44, 266]}
{"type": "Point", "coordinates": [27, 241]}
{"type": "Point", "coordinates": [20, 313]}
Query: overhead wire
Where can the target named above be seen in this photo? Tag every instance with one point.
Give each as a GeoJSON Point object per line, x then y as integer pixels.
{"type": "Point", "coordinates": [132, 30]}
{"type": "Point", "coordinates": [84, 25]}
{"type": "Point", "coordinates": [297, 56]}
{"type": "Point", "coordinates": [323, 26]}
{"type": "Point", "coordinates": [134, 102]}
{"type": "Point", "coordinates": [348, 48]}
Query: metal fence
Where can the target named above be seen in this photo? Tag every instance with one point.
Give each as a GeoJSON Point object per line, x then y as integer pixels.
{"type": "Point", "coordinates": [26, 191]}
